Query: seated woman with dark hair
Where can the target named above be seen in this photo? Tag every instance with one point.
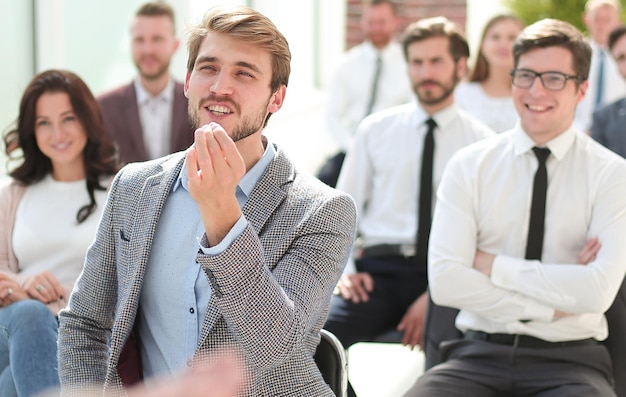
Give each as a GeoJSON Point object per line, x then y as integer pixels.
{"type": "Point", "coordinates": [49, 211]}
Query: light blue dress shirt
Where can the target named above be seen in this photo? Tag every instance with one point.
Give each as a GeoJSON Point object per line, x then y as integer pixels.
{"type": "Point", "coordinates": [176, 292]}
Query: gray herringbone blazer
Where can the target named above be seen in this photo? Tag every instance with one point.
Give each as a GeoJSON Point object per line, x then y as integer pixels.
{"type": "Point", "coordinates": [271, 287]}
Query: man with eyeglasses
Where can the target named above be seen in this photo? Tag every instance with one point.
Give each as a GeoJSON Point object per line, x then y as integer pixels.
{"type": "Point", "coordinates": [527, 240]}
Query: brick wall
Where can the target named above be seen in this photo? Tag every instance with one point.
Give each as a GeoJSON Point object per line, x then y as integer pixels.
{"type": "Point", "coordinates": [409, 11]}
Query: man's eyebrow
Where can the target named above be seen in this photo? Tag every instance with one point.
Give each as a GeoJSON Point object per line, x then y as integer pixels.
{"type": "Point", "coordinates": [242, 64]}
{"type": "Point", "coordinates": [250, 66]}
{"type": "Point", "coordinates": [206, 59]}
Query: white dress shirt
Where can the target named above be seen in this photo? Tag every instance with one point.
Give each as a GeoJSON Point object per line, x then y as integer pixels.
{"type": "Point", "coordinates": [381, 170]}
{"type": "Point", "coordinates": [484, 203]}
{"type": "Point", "coordinates": [155, 114]}
{"type": "Point", "coordinates": [351, 87]}
{"type": "Point", "coordinates": [614, 87]}
{"type": "Point", "coordinates": [497, 112]}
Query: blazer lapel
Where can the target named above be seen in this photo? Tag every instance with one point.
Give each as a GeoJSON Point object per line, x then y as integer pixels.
{"type": "Point", "coordinates": [154, 192]}
{"type": "Point", "coordinates": [182, 132]}
{"type": "Point", "coordinates": [269, 192]}
{"type": "Point", "coordinates": [135, 130]}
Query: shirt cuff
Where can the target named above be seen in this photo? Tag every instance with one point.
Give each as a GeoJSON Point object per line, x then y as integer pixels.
{"type": "Point", "coordinates": [232, 235]}
{"type": "Point", "coordinates": [505, 271]}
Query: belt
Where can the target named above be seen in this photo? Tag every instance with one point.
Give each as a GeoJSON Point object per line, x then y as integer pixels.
{"type": "Point", "coordinates": [524, 340]}
{"type": "Point", "coordinates": [382, 250]}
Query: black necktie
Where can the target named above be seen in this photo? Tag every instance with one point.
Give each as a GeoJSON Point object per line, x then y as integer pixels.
{"type": "Point", "coordinates": [425, 196]}
{"type": "Point", "coordinates": [534, 244]}
{"type": "Point", "coordinates": [374, 90]}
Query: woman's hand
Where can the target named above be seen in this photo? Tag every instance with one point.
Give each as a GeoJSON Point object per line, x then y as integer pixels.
{"type": "Point", "coordinates": [10, 291]}
{"type": "Point", "coordinates": [44, 287]}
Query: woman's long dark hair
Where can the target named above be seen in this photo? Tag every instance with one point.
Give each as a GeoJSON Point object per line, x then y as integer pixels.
{"type": "Point", "coordinates": [99, 155]}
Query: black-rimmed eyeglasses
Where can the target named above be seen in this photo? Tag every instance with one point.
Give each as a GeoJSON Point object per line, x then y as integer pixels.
{"type": "Point", "coordinates": [553, 81]}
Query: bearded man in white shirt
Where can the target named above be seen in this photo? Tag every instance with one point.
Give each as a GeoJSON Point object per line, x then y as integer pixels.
{"type": "Point", "coordinates": [532, 310]}
{"type": "Point", "coordinates": [385, 288]}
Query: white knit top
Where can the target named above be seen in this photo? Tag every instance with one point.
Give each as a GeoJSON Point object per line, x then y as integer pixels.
{"type": "Point", "coordinates": [47, 236]}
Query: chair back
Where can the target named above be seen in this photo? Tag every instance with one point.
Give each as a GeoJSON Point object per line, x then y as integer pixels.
{"type": "Point", "coordinates": [331, 360]}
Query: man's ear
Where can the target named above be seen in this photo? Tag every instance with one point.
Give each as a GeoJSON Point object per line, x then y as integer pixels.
{"type": "Point", "coordinates": [277, 99]}
{"type": "Point", "coordinates": [582, 90]}
{"type": "Point", "coordinates": [186, 85]}
{"type": "Point", "coordinates": [461, 67]}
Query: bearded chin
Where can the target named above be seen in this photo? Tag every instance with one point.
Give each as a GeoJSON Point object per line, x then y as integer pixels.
{"type": "Point", "coordinates": [436, 100]}
{"type": "Point", "coordinates": [244, 130]}
{"type": "Point", "coordinates": [247, 127]}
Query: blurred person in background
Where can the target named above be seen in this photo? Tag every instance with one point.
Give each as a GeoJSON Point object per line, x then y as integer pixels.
{"type": "Point", "coordinates": [370, 77]}
{"type": "Point", "coordinates": [49, 211]}
{"type": "Point", "coordinates": [609, 122]}
{"type": "Point", "coordinates": [148, 117]}
{"type": "Point", "coordinates": [606, 85]}
{"type": "Point", "coordinates": [487, 94]}
{"type": "Point", "coordinates": [391, 170]}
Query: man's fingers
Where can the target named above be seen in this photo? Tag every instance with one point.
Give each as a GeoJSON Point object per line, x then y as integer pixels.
{"type": "Point", "coordinates": [589, 251]}
{"type": "Point", "coordinates": [191, 165]}
{"type": "Point", "coordinates": [368, 282]}
{"type": "Point", "coordinates": [203, 157]}
{"type": "Point", "coordinates": [344, 291]}
{"type": "Point", "coordinates": [362, 294]}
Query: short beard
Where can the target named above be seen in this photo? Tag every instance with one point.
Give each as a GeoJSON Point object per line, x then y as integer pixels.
{"type": "Point", "coordinates": [154, 76]}
{"type": "Point", "coordinates": [447, 91]}
{"type": "Point", "coordinates": [248, 126]}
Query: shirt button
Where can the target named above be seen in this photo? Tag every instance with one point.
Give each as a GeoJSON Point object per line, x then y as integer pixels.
{"type": "Point", "coordinates": [191, 310]}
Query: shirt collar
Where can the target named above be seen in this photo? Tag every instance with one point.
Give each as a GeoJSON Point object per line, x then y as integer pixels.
{"type": "Point", "coordinates": [250, 178]}
{"type": "Point", "coordinates": [558, 146]}
{"type": "Point", "coordinates": [143, 96]}
{"type": "Point", "coordinates": [375, 51]}
{"type": "Point", "coordinates": [443, 118]}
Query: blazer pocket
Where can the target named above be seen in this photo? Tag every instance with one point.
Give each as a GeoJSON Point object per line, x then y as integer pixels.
{"type": "Point", "coordinates": [123, 254]}
{"type": "Point", "coordinates": [123, 236]}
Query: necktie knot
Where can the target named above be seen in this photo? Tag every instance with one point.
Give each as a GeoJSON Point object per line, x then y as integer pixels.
{"type": "Point", "coordinates": [542, 154]}
{"type": "Point", "coordinates": [431, 124]}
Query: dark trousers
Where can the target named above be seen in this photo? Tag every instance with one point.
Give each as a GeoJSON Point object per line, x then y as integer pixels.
{"type": "Point", "coordinates": [398, 282]}
{"type": "Point", "coordinates": [484, 369]}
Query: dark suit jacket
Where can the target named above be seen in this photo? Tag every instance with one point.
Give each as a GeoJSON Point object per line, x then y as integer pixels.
{"type": "Point", "coordinates": [121, 117]}
{"type": "Point", "coordinates": [609, 126]}
{"type": "Point", "coordinates": [271, 286]}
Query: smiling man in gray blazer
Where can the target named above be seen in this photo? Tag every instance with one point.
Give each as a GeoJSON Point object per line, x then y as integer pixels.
{"type": "Point", "coordinates": [609, 122]}
{"type": "Point", "coordinates": [223, 249]}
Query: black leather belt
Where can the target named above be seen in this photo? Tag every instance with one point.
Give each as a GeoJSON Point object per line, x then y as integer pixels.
{"type": "Point", "coordinates": [524, 340]}
{"type": "Point", "coordinates": [382, 250]}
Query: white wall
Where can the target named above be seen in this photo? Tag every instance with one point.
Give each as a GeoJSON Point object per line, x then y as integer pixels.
{"type": "Point", "coordinates": [17, 66]}
{"type": "Point", "coordinates": [478, 13]}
